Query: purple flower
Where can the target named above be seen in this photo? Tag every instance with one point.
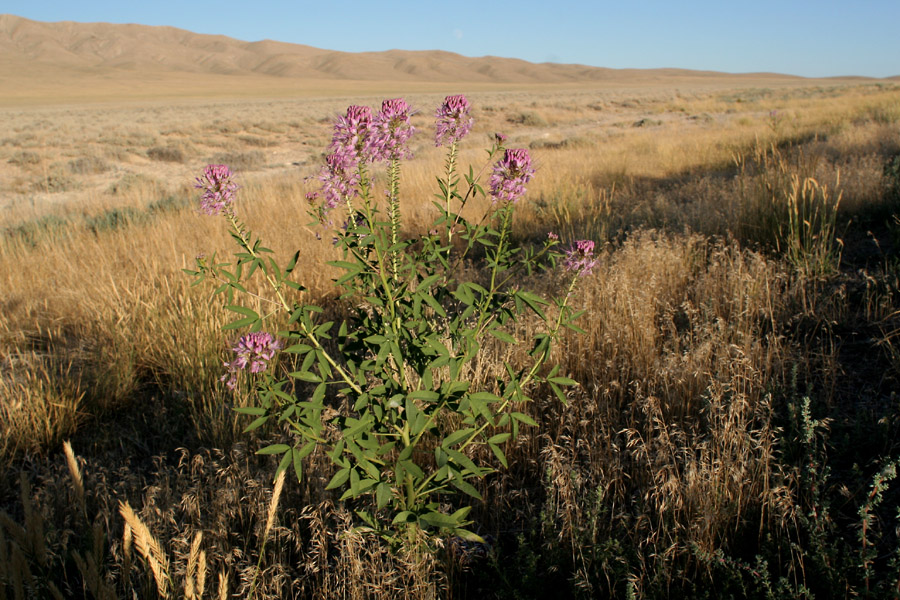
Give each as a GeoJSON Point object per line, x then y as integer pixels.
{"type": "Point", "coordinates": [254, 349]}
{"type": "Point", "coordinates": [453, 121]}
{"type": "Point", "coordinates": [500, 139]}
{"type": "Point", "coordinates": [339, 178]}
{"type": "Point", "coordinates": [353, 133]}
{"type": "Point", "coordinates": [510, 175]}
{"type": "Point", "coordinates": [580, 258]}
{"type": "Point", "coordinates": [552, 236]}
{"type": "Point", "coordinates": [391, 131]}
{"type": "Point", "coordinates": [218, 189]}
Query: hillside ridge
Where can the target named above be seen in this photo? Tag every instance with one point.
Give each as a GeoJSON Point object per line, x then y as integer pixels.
{"type": "Point", "coordinates": [112, 48]}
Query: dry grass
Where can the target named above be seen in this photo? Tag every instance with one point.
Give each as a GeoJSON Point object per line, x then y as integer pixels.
{"type": "Point", "coordinates": [699, 340]}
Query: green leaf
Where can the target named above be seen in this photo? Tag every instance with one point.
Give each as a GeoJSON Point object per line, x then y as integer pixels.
{"type": "Point", "coordinates": [305, 451]}
{"type": "Point", "coordinates": [383, 494]}
{"type": "Point", "coordinates": [465, 487]}
{"type": "Point", "coordinates": [411, 468]}
{"type": "Point", "coordinates": [347, 266]}
{"type": "Point", "coordinates": [240, 323]}
{"type": "Point", "coordinates": [306, 376]}
{"type": "Point", "coordinates": [523, 418]}
{"type": "Point", "coordinates": [464, 461]}
{"type": "Point", "coordinates": [426, 395]}
{"type": "Point", "coordinates": [256, 424]}
{"type": "Point", "coordinates": [298, 462]}
{"type": "Point", "coordinates": [243, 311]}
{"type": "Point", "coordinates": [293, 262]}
{"type": "Point", "coordinates": [366, 517]}
{"type": "Point", "coordinates": [485, 397]}
{"type": "Point", "coordinates": [427, 282]}
{"type": "Point", "coordinates": [250, 410]}
{"type": "Point", "coordinates": [440, 520]}
{"type": "Point", "coordinates": [499, 438]}
{"type": "Point", "coordinates": [404, 516]}
{"type": "Point", "coordinates": [464, 295]}
{"type": "Point", "coordinates": [283, 395]}
{"type": "Point", "coordinates": [480, 406]}
{"type": "Point", "coordinates": [359, 426]}
{"type": "Point", "coordinates": [558, 392]}
{"type": "Point", "coordinates": [456, 437]}
{"type": "Point", "coordinates": [274, 449]}
{"type": "Point", "coordinates": [469, 536]}
{"type": "Point", "coordinates": [563, 381]}
{"type": "Point", "coordinates": [499, 454]}
{"type": "Point", "coordinates": [358, 486]}
{"type": "Point", "coordinates": [434, 304]}
{"type": "Point", "coordinates": [440, 457]}
{"type": "Point", "coordinates": [298, 349]}
{"type": "Point", "coordinates": [533, 302]}
{"type": "Point", "coordinates": [318, 394]}
{"type": "Point", "coordinates": [285, 462]}
{"type": "Point", "coordinates": [434, 342]}
{"type": "Point", "coordinates": [575, 328]}
{"type": "Point", "coordinates": [339, 479]}
{"type": "Point", "coordinates": [405, 454]}
{"type": "Point", "coordinates": [502, 336]}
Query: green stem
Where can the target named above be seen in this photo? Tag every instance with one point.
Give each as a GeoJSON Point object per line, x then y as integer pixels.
{"type": "Point", "coordinates": [485, 315]}
{"type": "Point", "coordinates": [245, 243]}
{"type": "Point", "coordinates": [534, 368]}
{"type": "Point", "coordinates": [449, 190]}
{"type": "Point", "coordinates": [394, 210]}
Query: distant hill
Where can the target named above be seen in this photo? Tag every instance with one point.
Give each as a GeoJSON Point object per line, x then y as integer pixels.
{"type": "Point", "coordinates": [92, 46]}
{"type": "Point", "coordinates": [42, 59]}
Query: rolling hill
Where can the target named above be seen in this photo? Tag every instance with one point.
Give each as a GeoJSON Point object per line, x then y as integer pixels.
{"type": "Point", "coordinates": [86, 60]}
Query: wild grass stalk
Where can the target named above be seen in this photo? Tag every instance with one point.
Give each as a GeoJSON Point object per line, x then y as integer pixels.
{"type": "Point", "coordinates": [678, 439]}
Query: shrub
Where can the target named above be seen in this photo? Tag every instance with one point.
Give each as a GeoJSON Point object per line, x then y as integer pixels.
{"type": "Point", "coordinates": [24, 157]}
{"type": "Point", "coordinates": [88, 165]}
{"type": "Point", "coordinates": [241, 161]}
{"type": "Point", "coordinates": [165, 154]}
{"type": "Point", "coordinates": [389, 394]}
{"type": "Point", "coordinates": [528, 118]}
{"type": "Point", "coordinates": [113, 219]}
{"type": "Point", "coordinates": [55, 180]}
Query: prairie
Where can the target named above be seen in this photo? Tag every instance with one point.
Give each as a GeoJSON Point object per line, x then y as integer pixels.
{"type": "Point", "coordinates": [733, 434]}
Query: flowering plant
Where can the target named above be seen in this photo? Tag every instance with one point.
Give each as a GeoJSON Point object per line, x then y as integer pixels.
{"type": "Point", "coordinates": [388, 393]}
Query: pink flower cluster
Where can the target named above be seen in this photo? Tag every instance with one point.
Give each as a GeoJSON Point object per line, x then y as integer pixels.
{"type": "Point", "coordinates": [580, 258]}
{"type": "Point", "coordinates": [352, 133]}
{"type": "Point", "coordinates": [254, 350]}
{"type": "Point", "coordinates": [453, 121]}
{"type": "Point", "coordinates": [339, 177]}
{"type": "Point", "coordinates": [510, 175]}
{"type": "Point", "coordinates": [391, 131]}
{"type": "Point", "coordinates": [360, 137]}
{"type": "Point", "coordinates": [218, 189]}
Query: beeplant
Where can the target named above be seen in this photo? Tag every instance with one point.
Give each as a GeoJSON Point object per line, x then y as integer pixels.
{"type": "Point", "coordinates": [387, 393]}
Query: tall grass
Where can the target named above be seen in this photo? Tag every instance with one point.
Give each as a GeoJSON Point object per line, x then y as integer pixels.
{"type": "Point", "coordinates": [680, 459]}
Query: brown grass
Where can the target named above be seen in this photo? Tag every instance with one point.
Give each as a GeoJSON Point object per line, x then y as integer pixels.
{"type": "Point", "coordinates": [670, 446]}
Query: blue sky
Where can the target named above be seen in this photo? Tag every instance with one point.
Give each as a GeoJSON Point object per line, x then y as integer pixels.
{"type": "Point", "coordinates": [809, 38]}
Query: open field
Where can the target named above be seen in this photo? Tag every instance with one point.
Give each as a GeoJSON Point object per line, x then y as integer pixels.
{"type": "Point", "coordinates": [734, 432]}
